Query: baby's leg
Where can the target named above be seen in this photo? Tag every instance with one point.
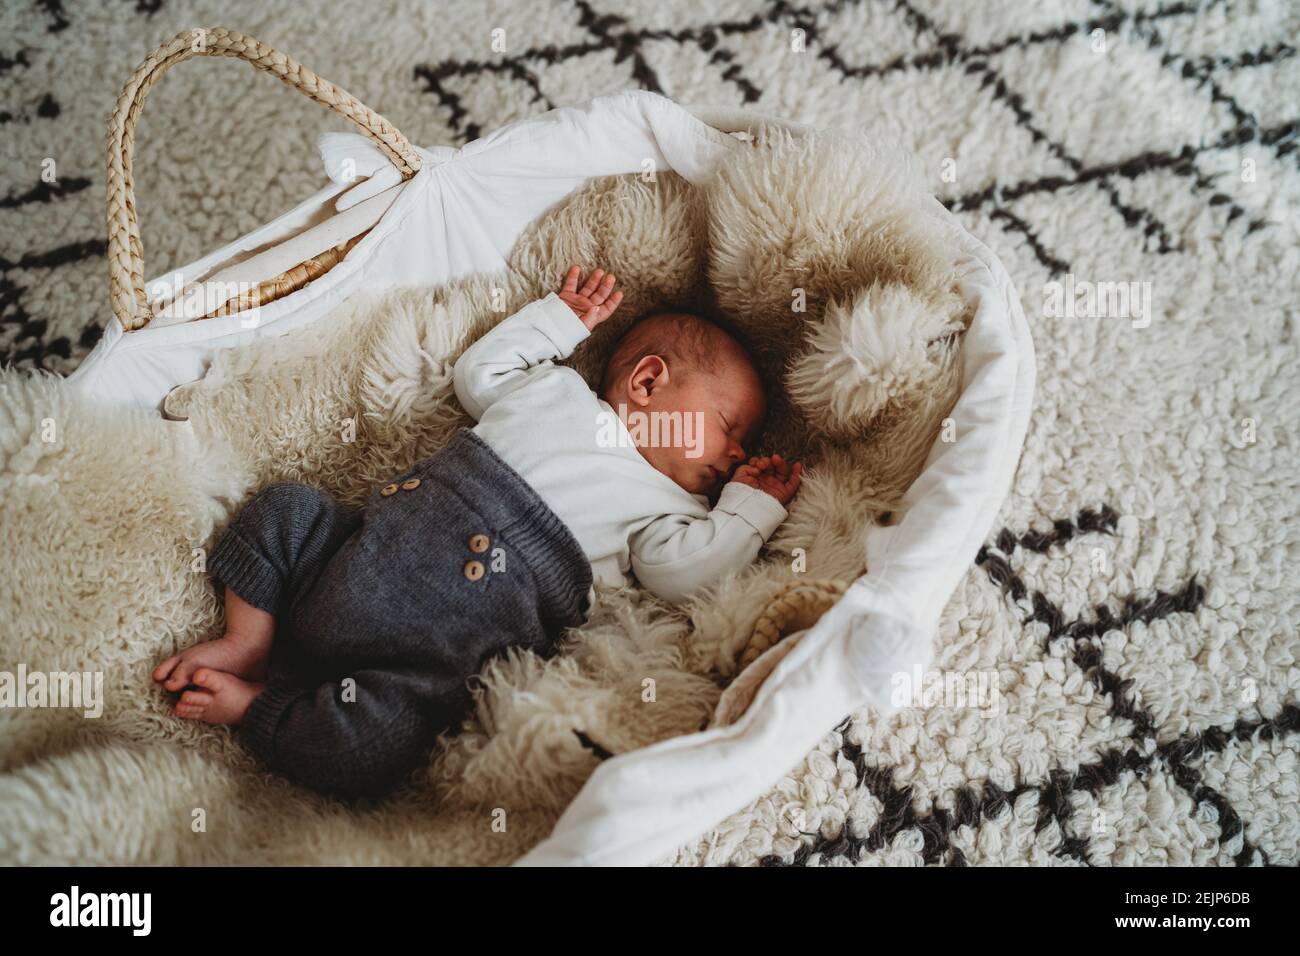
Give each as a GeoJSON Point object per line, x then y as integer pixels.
{"type": "Point", "coordinates": [242, 652]}
{"type": "Point", "coordinates": [359, 735]}
{"type": "Point", "coordinates": [273, 550]}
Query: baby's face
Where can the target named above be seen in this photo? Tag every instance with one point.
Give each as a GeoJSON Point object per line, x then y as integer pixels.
{"type": "Point", "coordinates": [721, 414]}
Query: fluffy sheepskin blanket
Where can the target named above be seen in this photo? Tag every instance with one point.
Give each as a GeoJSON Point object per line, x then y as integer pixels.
{"type": "Point", "coordinates": [822, 254]}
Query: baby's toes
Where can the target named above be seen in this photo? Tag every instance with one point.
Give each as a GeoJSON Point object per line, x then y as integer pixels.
{"type": "Point", "coordinates": [214, 681]}
{"type": "Point", "coordinates": [162, 670]}
{"type": "Point", "coordinates": [193, 703]}
{"type": "Point", "coordinates": [181, 676]}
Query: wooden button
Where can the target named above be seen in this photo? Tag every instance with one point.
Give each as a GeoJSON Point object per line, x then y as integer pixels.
{"type": "Point", "coordinates": [473, 570]}
{"type": "Point", "coordinates": [411, 484]}
{"type": "Point", "coordinates": [478, 543]}
{"type": "Point", "coordinates": [389, 489]}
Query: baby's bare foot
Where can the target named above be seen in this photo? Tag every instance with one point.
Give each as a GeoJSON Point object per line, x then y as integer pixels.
{"type": "Point", "coordinates": [242, 655]}
{"type": "Point", "coordinates": [222, 698]}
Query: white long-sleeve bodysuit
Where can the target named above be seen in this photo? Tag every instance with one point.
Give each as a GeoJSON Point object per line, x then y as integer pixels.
{"type": "Point", "coordinates": [544, 421]}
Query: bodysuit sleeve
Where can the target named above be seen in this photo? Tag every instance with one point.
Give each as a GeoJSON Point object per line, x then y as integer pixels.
{"type": "Point", "coordinates": [519, 348]}
{"type": "Point", "coordinates": [675, 555]}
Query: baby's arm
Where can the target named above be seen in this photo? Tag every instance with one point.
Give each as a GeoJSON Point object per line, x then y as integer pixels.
{"type": "Point", "coordinates": [502, 360]}
{"type": "Point", "coordinates": [539, 333]}
{"type": "Point", "coordinates": [676, 555]}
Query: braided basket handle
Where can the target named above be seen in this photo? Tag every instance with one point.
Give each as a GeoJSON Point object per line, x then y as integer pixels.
{"type": "Point", "coordinates": [795, 606]}
{"type": "Point", "coordinates": [125, 251]}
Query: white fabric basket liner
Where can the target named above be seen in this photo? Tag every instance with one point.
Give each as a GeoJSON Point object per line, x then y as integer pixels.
{"type": "Point", "coordinates": [461, 214]}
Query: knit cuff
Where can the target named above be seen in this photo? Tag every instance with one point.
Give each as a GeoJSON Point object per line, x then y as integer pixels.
{"type": "Point", "coordinates": [561, 324]}
{"type": "Point", "coordinates": [242, 569]}
{"type": "Point", "coordinates": [763, 512]}
{"type": "Point", "coordinates": [263, 717]}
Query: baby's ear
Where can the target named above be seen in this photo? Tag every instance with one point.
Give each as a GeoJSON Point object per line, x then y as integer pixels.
{"type": "Point", "coordinates": [650, 373]}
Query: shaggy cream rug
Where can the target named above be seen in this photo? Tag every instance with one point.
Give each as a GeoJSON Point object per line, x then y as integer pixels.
{"type": "Point", "coordinates": [1137, 615]}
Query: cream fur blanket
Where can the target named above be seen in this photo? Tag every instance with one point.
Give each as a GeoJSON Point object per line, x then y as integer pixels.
{"type": "Point", "coordinates": [1139, 603]}
{"type": "Point", "coordinates": [857, 333]}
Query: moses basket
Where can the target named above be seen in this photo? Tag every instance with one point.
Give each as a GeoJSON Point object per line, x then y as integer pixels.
{"type": "Point", "coordinates": [396, 215]}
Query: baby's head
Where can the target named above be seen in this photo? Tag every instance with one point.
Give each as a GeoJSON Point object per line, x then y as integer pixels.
{"type": "Point", "coordinates": [674, 362]}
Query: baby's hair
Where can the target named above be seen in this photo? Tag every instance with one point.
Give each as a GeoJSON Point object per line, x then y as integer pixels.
{"type": "Point", "coordinates": [688, 343]}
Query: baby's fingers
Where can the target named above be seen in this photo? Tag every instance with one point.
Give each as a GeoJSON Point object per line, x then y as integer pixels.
{"type": "Point", "coordinates": [603, 290]}
{"type": "Point", "coordinates": [795, 474]}
{"type": "Point", "coordinates": [592, 282]}
{"type": "Point", "coordinates": [571, 279]}
{"type": "Point", "coordinates": [612, 303]}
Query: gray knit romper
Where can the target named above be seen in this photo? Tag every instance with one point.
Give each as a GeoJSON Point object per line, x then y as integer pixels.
{"type": "Point", "coordinates": [384, 613]}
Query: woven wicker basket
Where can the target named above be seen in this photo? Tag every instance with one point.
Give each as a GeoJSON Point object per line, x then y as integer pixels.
{"type": "Point", "coordinates": [795, 607]}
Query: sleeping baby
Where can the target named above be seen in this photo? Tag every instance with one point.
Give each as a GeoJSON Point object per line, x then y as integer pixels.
{"type": "Point", "coordinates": [381, 615]}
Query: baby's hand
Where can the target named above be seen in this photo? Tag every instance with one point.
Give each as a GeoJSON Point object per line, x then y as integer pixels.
{"type": "Point", "coordinates": [773, 475]}
{"type": "Point", "coordinates": [593, 302]}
